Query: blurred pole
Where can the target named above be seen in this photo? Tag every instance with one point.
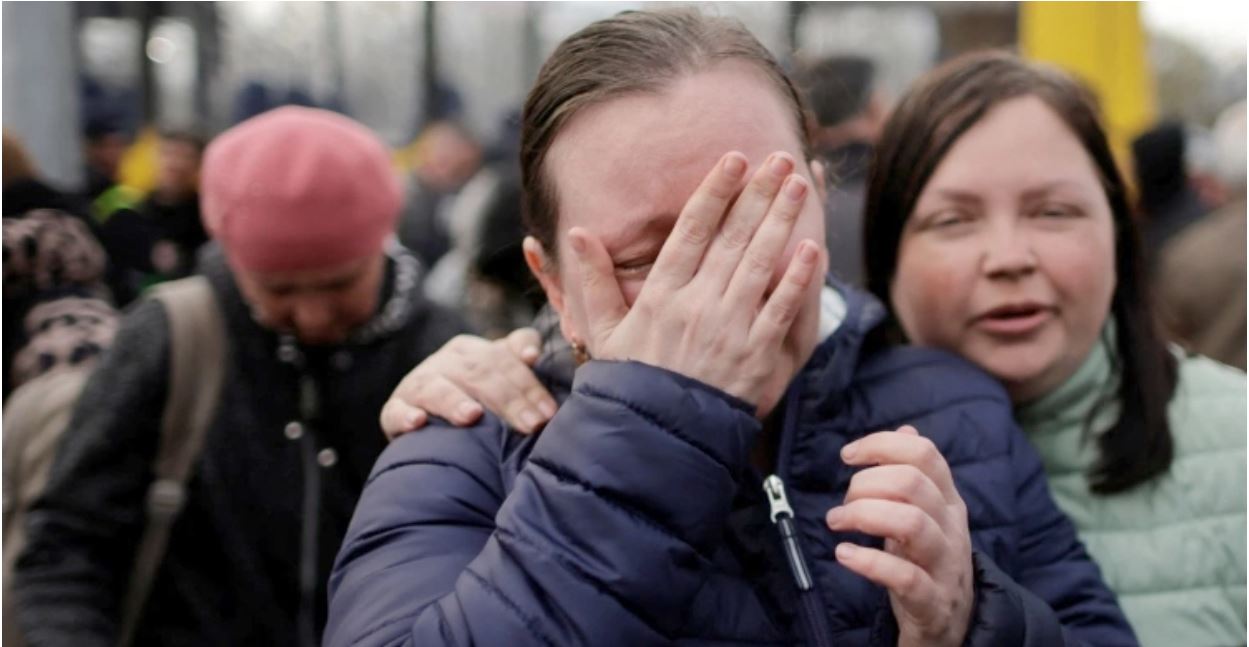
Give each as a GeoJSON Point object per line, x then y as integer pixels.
{"type": "Point", "coordinates": [334, 48]}
{"type": "Point", "coordinates": [41, 101]}
{"type": "Point", "coordinates": [146, 13]}
{"type": "Point", "coordinates": [531, 44]}
{"type": "Point", "coordinates": [203, 16]}
{"type": "Point", "coordinates": [794, 17]}
{"type": "Point", "coordinates": [429, 66]}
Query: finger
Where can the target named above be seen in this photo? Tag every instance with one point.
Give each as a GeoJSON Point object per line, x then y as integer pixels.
{"type": "Point", "coordinates": [399, 417]}
{"type": "Point", "coordinates": [520, 394]}
{"type": "Point", "coordinates": [521, 343]}
{"type": "Point", "coordinates": [917, 534]}
{"type": "Point", "coordinates": [754, 271]}
{"type": "Point", "coordinates": [525, 344]}
{"type": "Point", "coordinates": [782, 308]}
{"type": "Point", "coordinates": [887, 447]}
{"type": "Point", "coordinates": [901, 483]}
{"type": "Point", "coordinates": [604, 304]}
{"type": "Point", "coordinates": [699, 221]}
{"type": "Point", "coordinates": [910, 585]}
{"type": "Point", "coordinates": [440, 397]}
{"type": "Point", "coordinates": [743, 220]}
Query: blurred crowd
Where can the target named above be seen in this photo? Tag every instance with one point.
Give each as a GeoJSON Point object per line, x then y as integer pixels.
{"type": "Point", "coordinates": [403, 250]}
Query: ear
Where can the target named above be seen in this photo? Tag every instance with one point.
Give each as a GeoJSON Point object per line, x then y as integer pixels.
{"type": "Point", "coordinates": [819, 176]}
{"type": "Point", "coordinates": [544, 270]}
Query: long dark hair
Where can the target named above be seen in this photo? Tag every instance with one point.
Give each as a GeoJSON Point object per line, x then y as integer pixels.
{"type": "Point", "coordinates": [927, 122]}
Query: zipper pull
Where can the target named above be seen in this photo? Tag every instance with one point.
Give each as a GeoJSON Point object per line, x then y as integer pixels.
{"type": "Point", "coordinates": [783, 517]}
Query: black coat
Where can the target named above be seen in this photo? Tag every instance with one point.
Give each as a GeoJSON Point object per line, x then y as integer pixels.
{"type": "Point", "coordinates": [231, 574]}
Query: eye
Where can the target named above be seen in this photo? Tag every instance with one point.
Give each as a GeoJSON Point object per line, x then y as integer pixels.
{"type": "Point", "coordinates": [947, 218]}
{"type": "Point", "coordinates": [1056, 210]}
{"type": "Point", "coordinates": [634, 269]}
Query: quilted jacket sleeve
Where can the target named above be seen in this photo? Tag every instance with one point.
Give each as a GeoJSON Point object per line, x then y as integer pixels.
{"type": "Point", "coordinates": [602, 538]}
{"type": "Point", "coordinates": [1056, 591]}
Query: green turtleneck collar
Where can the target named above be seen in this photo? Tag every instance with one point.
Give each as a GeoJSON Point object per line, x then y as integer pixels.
{"type": "Point", "coordinates": [1068, 406]}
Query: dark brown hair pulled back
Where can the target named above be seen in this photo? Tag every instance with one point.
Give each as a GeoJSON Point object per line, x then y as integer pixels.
{"type": "Point", "coordinates": [632, 52]}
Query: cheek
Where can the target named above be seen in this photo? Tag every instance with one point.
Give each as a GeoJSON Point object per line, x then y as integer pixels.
{"type": "Point", "coordinates": [1082, 270]}
{"type": "Point", "coordinates": [929, 289]}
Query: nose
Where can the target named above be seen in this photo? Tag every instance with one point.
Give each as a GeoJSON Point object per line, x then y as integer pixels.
{"type": "Point", "coordinates": [1009, 252]}
{"type": "Point", "coordinates": [314, 320]}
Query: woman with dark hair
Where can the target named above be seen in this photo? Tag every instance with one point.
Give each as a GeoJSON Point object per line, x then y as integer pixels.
{"type": "Point", "coordinates": [718, 472]}
{"type": "Point", "coordinates": [998, 227]}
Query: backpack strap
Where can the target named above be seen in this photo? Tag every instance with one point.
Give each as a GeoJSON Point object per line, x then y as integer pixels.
{"type": "Point", "coordinates": [197, 343]}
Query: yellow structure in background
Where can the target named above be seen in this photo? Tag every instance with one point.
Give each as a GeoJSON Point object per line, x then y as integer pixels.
{"type": "Point", "coordinates": [1104, 44]}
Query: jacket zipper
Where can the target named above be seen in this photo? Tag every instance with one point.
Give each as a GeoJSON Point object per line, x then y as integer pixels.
{"type": "Point", "coordinates": [810, 610]}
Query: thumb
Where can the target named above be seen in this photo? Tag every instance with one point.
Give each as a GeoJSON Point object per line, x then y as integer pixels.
{"type": "Point", "coordinates": [524, 343]}
{"type": "Point", "coordinates": [604, 303]}
{"type": "Point", "coordinates": [908, 429]}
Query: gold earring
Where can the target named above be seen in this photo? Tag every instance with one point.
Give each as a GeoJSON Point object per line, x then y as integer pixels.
{"type": "Point", "coordinates": [579, 353]}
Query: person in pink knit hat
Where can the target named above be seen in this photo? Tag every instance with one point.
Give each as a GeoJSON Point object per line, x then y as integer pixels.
{"type": "Point", "coordinates": [323, 315]}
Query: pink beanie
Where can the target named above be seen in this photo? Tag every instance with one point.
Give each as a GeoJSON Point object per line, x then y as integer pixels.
{"type": "Point", "coordinates": [298, 188]}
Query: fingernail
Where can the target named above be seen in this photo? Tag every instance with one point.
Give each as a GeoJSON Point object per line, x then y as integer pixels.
{"type": "Point", "coordinates": [846, 551]}
{"type": "Point", "coordinates": [735, 166]}
{"type": "Point", "coordinates": [780, 165]}
{"type": "Point", "coordinates": [529, 353]}
{"type": "Point", "coordinates": [834, 516]}
{"type": "Point", "coordinates": [529, 419]}
{"type": "Point", "coordinates": [413, 419]}
{"type": "Point", "coordinates": [578, 245]}
{"type": "Point", "coordinates": [807, 253]}
{"type": "Point", "coordinates": [548, 408]}
{"type": "Point", "coordinates": [848, 451]}
{"type": "Point", "coordinates": [467, 410]}
{"type": "Point", "coordinates": [795, 188]}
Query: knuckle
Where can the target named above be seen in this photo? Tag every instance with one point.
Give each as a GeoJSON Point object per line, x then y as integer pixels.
{"type": "Point", "coordinates": [694, 233]}
{"type": "Point", "coordinates": [758, 264]}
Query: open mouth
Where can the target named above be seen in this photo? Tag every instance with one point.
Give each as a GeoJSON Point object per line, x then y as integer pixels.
{"type": "Point", "coordinates": [1014, 319]}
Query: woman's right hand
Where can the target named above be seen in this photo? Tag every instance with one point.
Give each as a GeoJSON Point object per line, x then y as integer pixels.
{"type": "Point", "coordinates": [467, 374]}
{"type": "Point", "coordinates": [701, 311]}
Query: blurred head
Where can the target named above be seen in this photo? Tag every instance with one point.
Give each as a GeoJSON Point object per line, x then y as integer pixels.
{"type": "Point", "coordinates": [16, 162]}
{"type": "Point", "coordinates": [998, 228]}
{"type": "Point", "coordinates": [104, 144]}
{"type": "Point", "coordinates": [625, 120]}
{"type": "Point", "coordinates": [844, 100]}
{"type": "Point", "coordinates": [1229, 149]}
{"type": "Point", "coordinates": [178, 164]}
{"type": "Point", "coordinates": [447, 156]}
{"type": "Point", "coordinates": [301, 201]}
{"type": "Point", "coordinates": [1158, 156]}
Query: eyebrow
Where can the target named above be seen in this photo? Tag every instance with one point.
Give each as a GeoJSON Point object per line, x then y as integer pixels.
{"type": "Point", "coordinates": [1041, 191]}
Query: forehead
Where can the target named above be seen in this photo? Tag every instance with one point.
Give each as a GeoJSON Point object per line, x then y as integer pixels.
{"type": "Point", "coordinates": [1017, 144]}
{"type": "Point", "coordinates": [634, 160]}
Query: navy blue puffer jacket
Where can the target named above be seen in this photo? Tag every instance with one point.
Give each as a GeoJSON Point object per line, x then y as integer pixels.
{"type": "Point", "coordinates": [635, 518]}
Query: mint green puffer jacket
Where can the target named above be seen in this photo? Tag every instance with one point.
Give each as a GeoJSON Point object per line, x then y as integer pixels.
{"type": "Point", "coordinates": [1173, 549]}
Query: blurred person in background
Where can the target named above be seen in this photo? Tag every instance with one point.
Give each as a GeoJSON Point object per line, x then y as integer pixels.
{"type": "Point", "coordinates": [24, 190]}
{"type": "Point", "coordinates": [104, 143]}
{"type": "Point", "coordinates": [1201, 274]}
{"type": "Point", "coordinates": [484, 275]}
{"type": "Point", "coordinates": [57, 323]}
{"type": "Point", "coordinates": [446, 157]}
{"type": "Point", "coordinates": [1168, 201]}
{"type": "Point", "coordinates": [322, 316]}
{"type": "Point", "coordinates": [849, 111]}
{"type": "Point", "coordinates": [157, 239]}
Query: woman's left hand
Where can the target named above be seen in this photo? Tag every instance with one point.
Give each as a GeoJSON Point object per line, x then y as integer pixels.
{"type": "Point", "coordinates": [908, 497]}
